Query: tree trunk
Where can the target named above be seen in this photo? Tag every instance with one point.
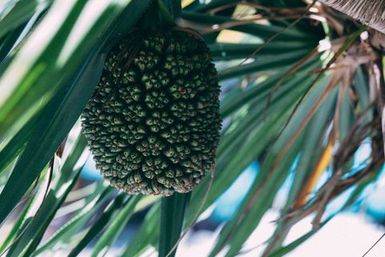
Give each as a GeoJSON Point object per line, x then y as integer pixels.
{"type": "Point", "coordinates": [369, 12]}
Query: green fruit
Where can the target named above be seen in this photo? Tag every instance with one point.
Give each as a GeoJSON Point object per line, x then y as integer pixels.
{"type": "Point", "coordinates": [153, 122]}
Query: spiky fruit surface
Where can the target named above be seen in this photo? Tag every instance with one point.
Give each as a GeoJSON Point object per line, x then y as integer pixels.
{"type": "Point", "coordinates": [153, 122]}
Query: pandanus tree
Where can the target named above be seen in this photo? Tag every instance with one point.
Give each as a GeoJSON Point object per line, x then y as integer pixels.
{"type": "Point", "coordinates": [135, 83]}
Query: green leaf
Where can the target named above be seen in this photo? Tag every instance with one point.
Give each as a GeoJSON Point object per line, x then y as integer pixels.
{"type": "Point", "coordinates": [92, 204]}
{"type": "Point", "coordinates": [248, 138]}
{"type": "Point", "coordinates": [229, 51]}
{"type": "Point", "coordinates": [261, 91]}
{"type": "Point", "coordinates": [174, 7]}
{"type": "Point", "coordinates": [56, 62]}
{"type": "Point", "coordinates": [263, 64]}
{"type": "Point", "coordinates": [290, 247]}
{"type": "Point", "coordinates": [308, 157]}
{"type": "Point", "coordinates": [20, 13]}
{"type": "Point", "coordinates": [55, 122]}
{"type": "Point", "coordinates": [171, 222]}
{"type": "Point", "coordinates": [147, 235]}
{"type": "Point", "coordinates": [269, 179]}
{"type": "Point", "coordinates": [9, 41]}
{"type": "Point", "coordinates": [258, 30]}
{"type": "Point", "coordinates": [100, 224]}
{"type": "Point", "coordinates": [115, 228]}
{"type": "Point", "coordinates": [29, 240]}
{"type": "Point", "coordinates": [60, 116]}
{"type": "Point", "coordinates": [19, 226]}
{"type": "Point", "coordinates": [15, 146]}
{"type": "Point", "coordinates": [39, 73]}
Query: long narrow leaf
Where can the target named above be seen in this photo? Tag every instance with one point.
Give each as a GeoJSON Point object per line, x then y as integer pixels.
{"type": "Point", "coordinates": [59, 116]}
{"type": "Point", "coordinates": [100, 224]}
{"type": "Point", "coordinates": [115, 228]}
{"type": "Point", "coordinates": [171, 222]}
{"type": "Point", "coordinates": [27, 243]}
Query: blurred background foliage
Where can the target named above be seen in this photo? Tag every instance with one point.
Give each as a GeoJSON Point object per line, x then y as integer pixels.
{"type": "Point", "coordinates": [302, 99]}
